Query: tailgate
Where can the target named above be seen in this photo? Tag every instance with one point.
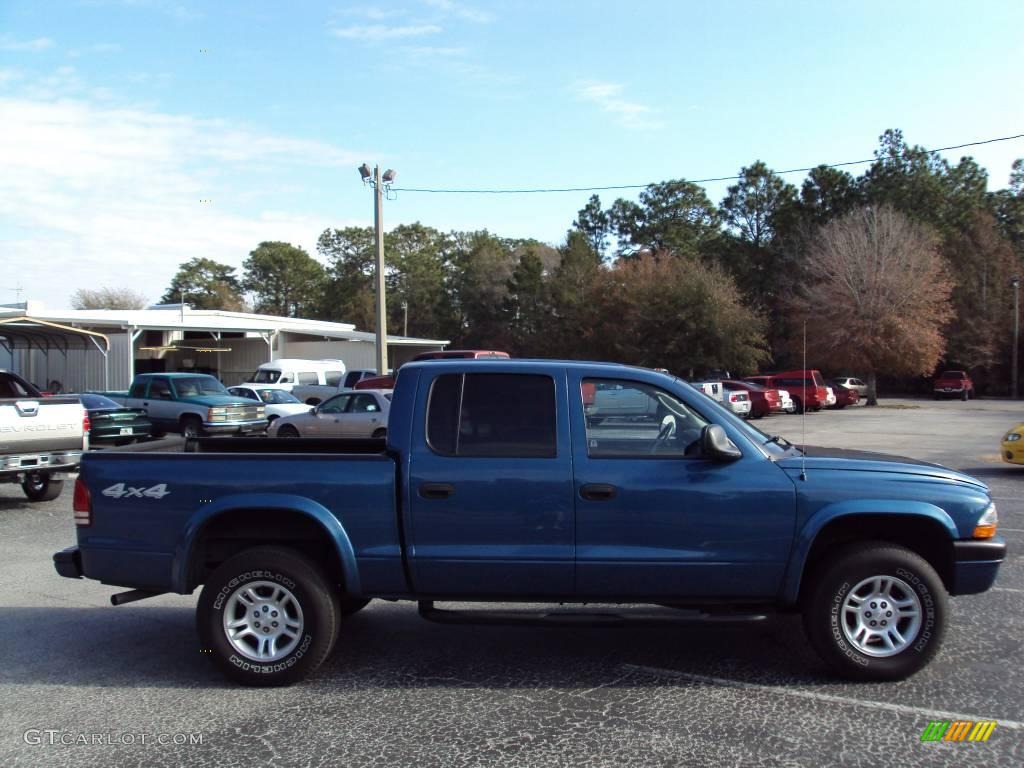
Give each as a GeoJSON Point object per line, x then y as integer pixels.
{"type": "Point", "coordinates": [40, 425]}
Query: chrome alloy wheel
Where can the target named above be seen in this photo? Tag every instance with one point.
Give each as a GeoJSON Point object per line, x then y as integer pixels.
{"type": "Point", "coordinates": [881, 616]}
{"type": "Point", "coordinates": [263, 621]}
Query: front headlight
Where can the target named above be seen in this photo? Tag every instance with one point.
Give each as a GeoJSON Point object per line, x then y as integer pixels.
{"type": "Point", "coordinates": [987, 523]}
{"type": "Point", "coordinates": [1012, 437]}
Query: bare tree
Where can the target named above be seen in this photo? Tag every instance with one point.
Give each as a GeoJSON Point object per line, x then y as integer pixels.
{"type": "Point", "coordinates": [877, 297]}
{"type": "Point", "coordinates": [108, 298]}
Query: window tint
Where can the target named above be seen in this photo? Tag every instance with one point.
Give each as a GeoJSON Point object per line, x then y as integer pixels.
{"type": "Point", "coordinates": [307, 377]}
{"type": "Point", "coordinates": [629, 419]}
{"type": "Point", "coordinates": [160, 390]}
{"type": "Point", "coordinates": [364, 404]}
{"type": "Point", "coordinates": [138, 389]}
{"type": "Point", "coordinates": [492, 415]}
{"type": "Point", "coordinates": [333, 378]}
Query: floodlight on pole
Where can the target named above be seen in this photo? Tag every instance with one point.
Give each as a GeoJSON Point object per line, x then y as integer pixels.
{"type": "Point", "coordinates": [379, 184]}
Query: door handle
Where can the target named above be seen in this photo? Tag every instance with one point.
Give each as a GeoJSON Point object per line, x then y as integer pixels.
{"type": "Point", "coordinates": [598, 492]}
{"type": "Point", "coordinates": [436, 490]}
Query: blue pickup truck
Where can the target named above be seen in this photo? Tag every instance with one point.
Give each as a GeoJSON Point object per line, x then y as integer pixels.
{"type": "Point", "coordinates": [493, 487]}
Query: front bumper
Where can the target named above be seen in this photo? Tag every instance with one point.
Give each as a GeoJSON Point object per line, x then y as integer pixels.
{"type": "Point", "coordinates": [976, 564]}
{"type": "Point", "coordinates": [234, 427]}
{"type": "Point", "coordinates": [68, 563]}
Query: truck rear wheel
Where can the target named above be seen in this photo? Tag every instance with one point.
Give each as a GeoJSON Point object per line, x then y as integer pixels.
{"type": "Point", "coordinates": [268, 616]}
{"type": "Point", "coordinates": [877, 613]}
{"type": "Point", "coordinates": [41, 486]}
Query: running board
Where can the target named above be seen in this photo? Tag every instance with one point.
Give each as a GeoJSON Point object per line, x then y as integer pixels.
{"type": "Point", "coordinates": [575, 617]}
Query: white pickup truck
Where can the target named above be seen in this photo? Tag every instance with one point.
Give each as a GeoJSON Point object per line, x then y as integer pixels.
{"type": "Point", "coordinates": [41, 438]}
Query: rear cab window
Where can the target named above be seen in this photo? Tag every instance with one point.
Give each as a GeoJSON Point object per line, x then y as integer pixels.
{"type": "Point", "coordinates": [492, 415]}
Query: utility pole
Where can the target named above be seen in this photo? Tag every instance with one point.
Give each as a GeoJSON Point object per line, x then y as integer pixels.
{"type": "Point", "coordinates": [1015, 282]}
{"type": "Point", "coordinates": [377, 181]}
{"type": "Point", "coordinates": [382, 330]}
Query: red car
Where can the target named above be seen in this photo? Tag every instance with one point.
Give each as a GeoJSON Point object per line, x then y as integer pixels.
{"type": "Point", "coordinates": [954, 384]}
{"type": "Point", "coordinates": [844, 396]}
{"type": "Point", "coordinates": [807, 387]}
{"type": "Point", "coordinates": [763, 401]}
{"type": "Point", "coordinates": [388, 382]}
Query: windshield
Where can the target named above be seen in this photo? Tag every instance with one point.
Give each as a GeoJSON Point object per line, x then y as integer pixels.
{"type": "Point", "coordinates": [277, 397]}
{"type": "Point", "coordinates": [265, 376]}
{"type": "Point", "coordinates": [98, 402]}
{"type": "Point", "coordinates": [194, 386]}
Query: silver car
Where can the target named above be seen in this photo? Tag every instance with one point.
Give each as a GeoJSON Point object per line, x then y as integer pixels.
{"type": "Point", "coordinates": [353, 413]}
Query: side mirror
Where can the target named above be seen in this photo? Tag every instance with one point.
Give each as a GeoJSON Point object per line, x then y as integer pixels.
{"type": "Point", "coordinates": [716, 445]}
{"type": "Point", "coordinates": [313, 409]}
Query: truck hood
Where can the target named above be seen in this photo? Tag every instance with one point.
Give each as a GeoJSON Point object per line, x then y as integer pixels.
{"type": "Point", "coordinates": [217, 401]}
{"type": "Point", "coordinates": [819, 458]}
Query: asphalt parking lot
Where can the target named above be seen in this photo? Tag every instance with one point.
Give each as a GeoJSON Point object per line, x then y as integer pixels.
{"type": "Point", "coordinates": [401, 692]}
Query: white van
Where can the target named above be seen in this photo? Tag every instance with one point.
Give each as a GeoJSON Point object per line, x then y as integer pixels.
{"type": "Point", "coordinates": [295, 375]}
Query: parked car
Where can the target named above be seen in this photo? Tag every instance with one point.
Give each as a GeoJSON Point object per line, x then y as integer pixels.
{"type": "Point", "coordinates": [711, 388]}
{"type": "Point", "coordinates": [194, 404]}
{"type": "Point", "coordinates": [357, 413]}
{"type": "Point", "coordinates": [41, 438]}
{"type": "Point", "coordinates": [302, 378]}
{"type": "Point", "coordinates": [851, 382]}
{"type": "Point", "coordinates": [763, 401]}
{"type": "Point", "coordinates": [788, 406]}
{"type": "Point", "coordinates": [388, 382]}
{"type": "Point", "coordinates": [111, 422]}
{"type": "Point", "coordinates": [355, 375]}
{"type": "Point", "coordinates": [1013, 445]}
{"type": "Point", "coordinates": [806, 387]}
{"type": "Point", "coordinates": [844, 396]}
{"type": "Point", "coordinates": [954, 384]}
{"type": "Point", "coordinates": [830, 397]}
{"type": "Point", "coordinates": [737, 401]}
{"type": "Point", "coordinates": [277, 402]}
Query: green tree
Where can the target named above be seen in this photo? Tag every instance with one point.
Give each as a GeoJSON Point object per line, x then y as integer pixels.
{"type": "Point", "coordinates": [285, 280]}
{"type": "Point", "coordinates": [527, 305]}
{"type": "Point", "coordinates": [418, 261]}
{"type": "Point", "coordinates": [206, 284]}
{"type": "Point", "coordinates": [482, 265]}
{"type": "Point", "coordinates": [348, 292]}
{"type": "Point", "coordinates": [828, 193]}
{"type": "Point", "coordinates": [108, 298]}
{"type": "Point", "coordinates": [672, 217]}
{"type": "Point", "coordinates": [595, 225]}
{"type": "Point", "coordinates": [878, 295]}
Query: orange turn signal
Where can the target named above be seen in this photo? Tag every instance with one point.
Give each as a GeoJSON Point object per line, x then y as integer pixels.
{"type": "Point", "coordinates": [984, 531]}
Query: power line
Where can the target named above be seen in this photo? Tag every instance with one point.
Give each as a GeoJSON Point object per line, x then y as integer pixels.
{"type": "Point", "coordinates": [612, 187]}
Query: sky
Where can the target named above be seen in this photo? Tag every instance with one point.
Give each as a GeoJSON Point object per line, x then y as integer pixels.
{"type": "Point", "coordinates": [138, 134]}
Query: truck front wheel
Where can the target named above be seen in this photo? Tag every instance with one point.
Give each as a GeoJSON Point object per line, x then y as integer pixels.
{"type": "Point", "coordinates": [877, 613]}
{"type": "Point", "coordinates": [191, 426]}
{"type": "Point", "coordinates": [40, 486]}
{"type": "Point", "coordinates": [268, 616]}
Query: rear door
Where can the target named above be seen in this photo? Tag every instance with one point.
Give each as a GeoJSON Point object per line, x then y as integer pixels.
{"type": "Point", "coordinates": [490, 485]}
{"type": "Point", "coordinates": [362, 417]}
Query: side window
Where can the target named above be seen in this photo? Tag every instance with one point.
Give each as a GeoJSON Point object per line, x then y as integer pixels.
{"type": "Point", "coordinates": [307, 377]}
{"type": "Point", "coordinates": [286, 378]}
{"type": "Point", "coordinates": [492, 415]}
{"type": "Point", "coordinates": [363, 404]}
{"type": "Point", "coordinates": [332, 378]}
{"type": "Point", "coordinates": [138, 389]}
{"type": "Point", "coordinates": [159, 390]}
{"type": "Point", "coordinates": [335, 404]}
{"type": "Point", "coordinates": [630, 419]}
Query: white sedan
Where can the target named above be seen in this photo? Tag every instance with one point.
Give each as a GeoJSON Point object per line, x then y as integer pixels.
{"type": "Point", "coordinates": [353, 413]}
{"type": "Point", "coordinates": [278, 401]}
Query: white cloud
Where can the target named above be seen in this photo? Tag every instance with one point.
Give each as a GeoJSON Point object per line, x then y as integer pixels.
{"type": "Point", "coordinates": [376, 32]}
{"type": "Point", "coordinates": [93, 195]}
{"type": "Point", "coordinates": [461, 11]}
{"type": "Point", "coordinates": [607, 96]}
{"type": "Point", "coordinates": [32, 46]}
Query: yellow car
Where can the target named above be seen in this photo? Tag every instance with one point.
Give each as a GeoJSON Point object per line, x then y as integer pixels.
{"type": "Point", "coordinates": [1013, 445]}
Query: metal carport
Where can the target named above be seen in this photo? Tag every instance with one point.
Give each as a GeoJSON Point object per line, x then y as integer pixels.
{"type": "Point", "coordinates": [29, 333]}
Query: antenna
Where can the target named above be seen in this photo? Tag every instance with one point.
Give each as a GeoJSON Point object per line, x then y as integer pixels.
{"type": "Point", "coordinates": [803, 416]}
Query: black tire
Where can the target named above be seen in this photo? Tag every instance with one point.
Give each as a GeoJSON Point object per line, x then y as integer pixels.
{"type": "Point", "coordinates": [288, 431]}
{"type": "Point", "coordinates": [832, 606]}
{"type": "Point", "coordinates": [41, 486]}
{"type": "Point", "coordinates": [380, 432]}
{"type": "Point", "coordinates": [191, 426]}
{"type": "Point", "coordinates": [964, 395]}
{"type": "Point", "coordinates": [268, 570]}
{"type": "Point", "coordinates": [798, 406]}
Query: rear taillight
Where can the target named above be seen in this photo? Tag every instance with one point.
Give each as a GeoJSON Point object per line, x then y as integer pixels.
{"type": "Point", "coordinates": [86, 424]}
{"type": "Point", "coordinates": [82, 503]}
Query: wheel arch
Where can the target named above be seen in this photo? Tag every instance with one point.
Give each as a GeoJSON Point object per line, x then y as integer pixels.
{"type": "Point", "coordinates": [240, 522]}
{"type": "Point", "coordinates": [922, 528]}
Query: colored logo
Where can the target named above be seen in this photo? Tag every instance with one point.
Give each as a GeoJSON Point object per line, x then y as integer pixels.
{"type": "Point", "coordinates": [958, 730]}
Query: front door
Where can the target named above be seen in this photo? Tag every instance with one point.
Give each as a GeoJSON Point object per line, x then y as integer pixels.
{"type": "Point", "coordinates": [490, 485]}
{"type": "Point", "coordinates": [656, 521]}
